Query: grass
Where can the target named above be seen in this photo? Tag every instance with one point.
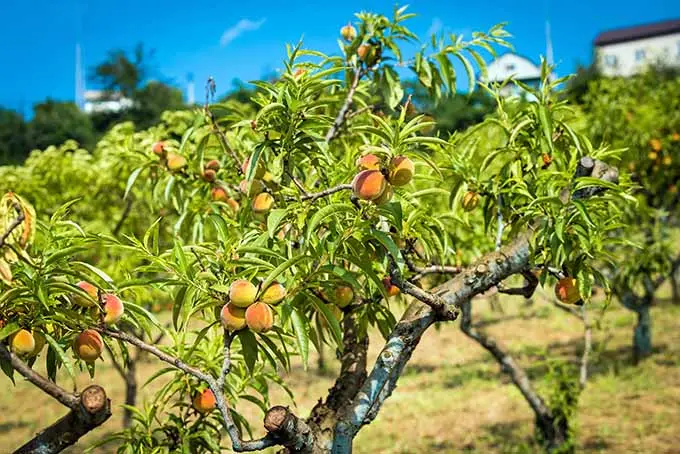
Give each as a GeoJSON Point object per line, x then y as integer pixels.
{"type": "Point", "coordinates": [452, 396]}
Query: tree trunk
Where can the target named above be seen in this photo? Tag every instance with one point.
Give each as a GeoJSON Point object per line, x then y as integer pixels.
{"type": "Point", "coordinates": [675, 289]}
{"type": "Point", "coordinates": [642, 335]}
{"type": "Point", "coordinates": [130, 391]}
{"type": "Point", "coordinates": [321, 360]}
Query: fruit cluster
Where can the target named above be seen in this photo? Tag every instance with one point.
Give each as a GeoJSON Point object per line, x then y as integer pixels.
{"type": "Point", "coordinates": [248, 307]}
{"type": "Point", "coordinates": [375, 182]}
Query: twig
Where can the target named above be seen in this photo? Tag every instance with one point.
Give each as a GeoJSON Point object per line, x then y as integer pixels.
{"type": "Point", "coordinates": [297, 183]}
{"type": "Point", "coordinates": [226, 362]}
{"type": "Point", "coordinates": [340, 118]}
{"type": "Point", "coordinates": [359, 111]}
{"type": "Point", "coordinates": [317, 195]}
{"type": "Point", "coordinates": [220, 134]}
{"type": "Point", "coordinates": [123, 217]}
{"type": "Point", "coordinates": [501, 225]}
{"type": "Point", "coordinates": [527, 291]}
{"type": "Point", "coordinates": [19, 219]}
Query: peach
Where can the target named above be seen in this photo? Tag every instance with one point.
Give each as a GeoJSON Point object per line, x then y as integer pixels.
{"type": "Point", "coordinates": [390, 288]}
{"type": "Point", "coordinates": [348, 32]}
{"type": "Point", "coordinates": [259, 170]}
{"type": "Point", "coordinates": [652, 155]}
{"type": "Point", "coordinates": [365, 52]}
{"type": "Point", "coordinates": [262, 203]}
{"type": "Point", "coordinates": [470, 201]}
{"type": "Point", "coordinates": [88, 345]}
{"type": "Point", "coordinates": [176, 161]}
{"type": "Point", "coordinates": [233, 317]}
{"type": "Point", "coordinates": [233, 204]}
{"type": "Point", "coordinates": [113, 308]}
{"type": "Point", "coordinates": [299, 72]}
{"type": "Point", "coordinates": [219, 194]}
{"type": "Point", "coordinates": [401, 170]}
{"type": "Point", "coordinates": [204, 402]}
{"type": "Point", "coordinates": [260, 317]}
{"type": "Point", "coordinates": [158, 149]}
{"type": "Point", "coordinates": [274, 294]}
{"type": "Point", "coordinates": [343, 296]}
{"type": "Point", "coordinates": [386, 195]}
{"type": "Point", "coordinates": [667, 160]}
{"type": "Point", "coordinates": [655, 144]}
{"type": "Point", "coordinates": [91, 290]}
{"type": "Point", "coordinates": [242, 293]}
{"type": "Point", "coordinates": [23, 342]}
{"type": "Point", "coordinates": [209, 175]}
{"type": "Point", "coordinates": [675, 137]}
{"type": "Point", "coordinates": [213, 165]}
{"type": "Point", "coordinates": [368, 184]}
{"type": "Point", "coordinates": [368, 162]}
{"type": "Point", "coordinates": [256, 187]}
{"type": "Point", "coordinates": [547, 159]}
{"type": "Point", "coordinates": [566, 290]}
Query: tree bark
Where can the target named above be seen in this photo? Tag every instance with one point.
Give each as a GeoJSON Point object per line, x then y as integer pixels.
{"type": "Point", "coordinates": [93, 410]}
{"type": "Point", "coordinates": [130, 390]}
{"type": "Point", "coordinates": [642, 334]}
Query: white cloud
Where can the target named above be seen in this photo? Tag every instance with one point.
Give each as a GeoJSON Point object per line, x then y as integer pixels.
{"type": "Point", "coordinates": [435, 27]}
{"type": "Point", "coordinates": [242, 26]}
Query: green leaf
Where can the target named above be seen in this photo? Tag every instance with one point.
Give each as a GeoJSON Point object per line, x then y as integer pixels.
{"type": "Point", "coordinates": [249, 348]}
{"type": "Point", "coordinates": [301, 328]}
{"type": "Point", "coordinates": [386, 241]}
{"type": "Point", "coordinates": [105, 277]}
{"type": "Point", "coordinates": [131, 180]}
{"type": "Point", "coordinates": [9, 329]}
{"type": "Point", "coordinates": [274, 219]}
{"type": "Point", "coordinates": [271, 277]}
{"type": "Point", "coordinates": [325, 212]}
{"type": "Point", "coordinates": [336, 331]}
{"type": "Point", "coordinates": [62, 355]}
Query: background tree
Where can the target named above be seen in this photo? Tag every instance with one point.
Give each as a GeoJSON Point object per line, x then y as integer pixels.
{"type": "Point", "coordinates": [14, 145]}
{"type": "Point", "coordinates": [55, 122]}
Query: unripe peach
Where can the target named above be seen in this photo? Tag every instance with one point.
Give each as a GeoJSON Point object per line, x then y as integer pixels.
{"type": "Point", "coordinates": [335, 310]}
{"type": "Point", "coordinates": [23, 342]}
{"type": "Point", "coordinates": [667, 160]}
{"type": "Point", "coordinates": [113, 308]}
{"type": "Point", "coordinates": [176, 161]}
{"type": "Point", "coordinates": [256, 187]}
{"type": "Point", "coordinates": [652, 155]}
{"type": "Point", "coordinates": [274, 294]}
{"type": "Point", "coordinates": [566, 290]}
{"type": "Point", "coordinates": [262, 203]}
{"type": "Point", "coordinates": [386, 195]}
{"type": "Point", "coordinates": [91, 290]}
{"type": "Point", "coordinates": [368, 184]}
{"type": "Point", "coordinates": [401, 170]}
{"type": "Point", "coordinates": [268, 177]}
{"type": "Point", "coordinates": [233, 204]}
{"type": "Point", "coordinates": [219, 194]}
{"type": "Point", "coordinates": [209, 175]}
{"type": "Point", "coordinates": [348, 32]}
{"type": "Point", "coordinates": [205, 401]}
{"type": "Point", "coordinates": [655, 144]}
{"type": "Point", "coordinates": [259, 169]}
{"type": "Point", "coordinates": [365, 52]}
{"type": "Point", "coordinates": [213, 165]}
{"type": "Point", "coordinates": [343, 296]}
{"type": "Point", "coordinates": [233, 317]}
{"type": "Point", "coordinates": [390, 288]}
{"type": "Point", "coordinates": [368, 162]}
{"type": "Point", "coordinates": [158, 149]}
{"type": "Point", "coordinates": [260, 317]}
{"type": "Point", "coordinates": [470, 201]}
{"type": "Point", "coordinates": [242, 293]}
{"type": "Point", "coordinates": [88, 345]}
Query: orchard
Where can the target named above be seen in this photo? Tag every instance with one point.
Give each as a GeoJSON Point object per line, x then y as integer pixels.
{"type": "Point", "coordinates": [228, 243]}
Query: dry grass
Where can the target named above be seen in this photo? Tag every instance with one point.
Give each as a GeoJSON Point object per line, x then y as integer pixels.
{"type": "Point", "coordinates": [452, 396]}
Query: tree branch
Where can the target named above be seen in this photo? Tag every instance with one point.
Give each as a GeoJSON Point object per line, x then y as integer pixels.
{"type": "Point", "coordinates": [313, 196]}
{"type": "Point", "coordinates": [10, 228]}
{"type": "Point", "coordinates": [226, 362]}
{"type": "Point", "coordinates": [221, 136]}
{"type": "Point", "coordinates": [123, 217]}
{"type": "Point", "coordinates": [527, 291]}
{"type": "Point", "coordinates": [501, 225]}
{"type": "Point", "coordinates": [340, 118]}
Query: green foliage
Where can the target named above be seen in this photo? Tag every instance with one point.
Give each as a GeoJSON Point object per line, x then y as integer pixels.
{"type": "Point", "coordinates": [14, 144]}
{"type": "Point", "coordinates": [56, 122]}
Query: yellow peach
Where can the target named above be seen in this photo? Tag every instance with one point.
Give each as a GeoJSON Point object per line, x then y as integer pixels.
{"type": "Point", "coordinates": [23, 342]}
{"type": "Point", "coordinates": [176, 161]}
{"type": "Point", "coordinates": [566, 290]}
{"type": "Point", "coordinates": [262, 203]}
{"type": "Point", "coordinates": [233, 317]}
{"type": "Point", "coordinates": [113, 308]}
{"type": "Point", "coordinates": [242, 293]}
{"type": "Point", "coordinates": [274, 294]}
{"type": "Point", "coordinates": [260, 317]}
{"type": "Point", "coordinates": [401, 170]}
{"type": "Point", "coordinates": [368, 162]}
{"type": "Point", "coordinates": [88, 345]}
{"type": "Point", "coordinates": [368, 184]}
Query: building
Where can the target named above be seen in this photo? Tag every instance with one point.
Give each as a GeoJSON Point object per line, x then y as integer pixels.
{"type": "Point", "coordinates": [625, 51]}
{"type": "Point", "coordinates": [516, 66]}
{"type": "Point", "coordinates": [103, 101]}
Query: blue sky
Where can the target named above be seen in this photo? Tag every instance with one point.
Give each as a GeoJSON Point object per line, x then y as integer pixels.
{"type": "Point", "coordinates": [229, 39]}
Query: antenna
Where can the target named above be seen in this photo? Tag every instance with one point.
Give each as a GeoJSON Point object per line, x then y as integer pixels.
{"type": "Point", "coordinates": [79, 79]}
{"type": "Point", "coordinates": [548, 45]}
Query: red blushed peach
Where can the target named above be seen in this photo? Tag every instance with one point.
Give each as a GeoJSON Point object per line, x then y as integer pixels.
{"type": "Point", "coordinates": [113, 308]}
{"type": "Point", "coordinates": [401, 170]}
{"type": "Point", "coordinates": [23, 342]}
{"type": "Point", "coordinates": [209, 175]}
{"type": "Point", "coordinates": [470, 201]}
{"type": "Point", "coordinates": [256, 187]}
{"type": "Point", "coordinates": [343, 296]}
{"type": "Point", "coordinates": [274, 294]}
{"type": "Point", "coordinates": [368, 184]}
{"type": "Point", "coordinates": [88, 345]}
{"type": "Point", "coordinates": [213, 165]}
{"type": "Point", "coordinates": [566, 290]}
{"type": "Point", "coordinates": [263, 203]}
{"type": "Point", "coordinates": [259, 169]}
{"type": "Point", "coordinates": [219, 194]}
{"type": "Point", "coordinates": [233, 204]}
{"type": "Point", "coordinates": [368, 162]}
{"type": "Point", "coordinates": [91, 290]}
{"type": "Point", "coordinates": [242, 293]}
{"type": "Point", "coordinates": [260, 317]}
{"type": "Point", "coordinates": [386, 195]}
{"type": "Point", "coordinates": [233, 317]}
{"type": "Point", "coordinates": [390, 288]}
{"type": "Point", "coordinates": [158, 149]}
{"type": "Point", "coordinates": [204, 402]}
{"type": "Point", "coordinates": [176, 161]}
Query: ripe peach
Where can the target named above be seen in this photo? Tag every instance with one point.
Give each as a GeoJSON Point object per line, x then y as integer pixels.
{"type": "Point", "coordinates": [390, 288]}
{"type": "Point", "coordinates": [23, 342]}
{"type": "Point", "coordinates": [470, 201]}
{"type": "Point", "coordinates": [213, 165]}
{"type": "Point", "coordinates": [219, 194]}
{"type": "Point", "coordinates": [242, 293]}
{"type": "Point", "coordinates": [259, 170]}
{"type": "Point", "coordinates": [368, 184]}
{"type": "Point", "coordinates": [233, 317]}
{"type": "Point", "coordinates": [262, 203]}
{"type": "Point", "coordinates": [260, 317]}
{"type": "Point", "coordinates": [274, 294]}
{"type": "Point", "coordinates": [209, 175]}
{"type": "Point", "coordinates": [401, 170]}
{"type": "Point", "coordinates": [368, 162]}
{"type": "Point", "coordinates": [88, 345]}
{"type": "Point", "coordinates": [158, 149]}
{"type": "Point", "coordinates": [176, 161]}
{"type": "Point", "coordinates": [547, 159]}
{"type": "Point", "coordinates": [655, 144]}
{"type": "Point", "coordinates": [386, 195]}
{"type": "Point", "coordinates": [204, 401]}
{"type": "Point", "coordinates": [113, 308]}
{"type": "Point", "coordinates": [233, 204]}
{"type": "Point", "coordinates": [91, 290]}
{"type": "Point", "coordinates": [675, 137]}
{"type": "Point", "coordinates": [365, 52]}
{"type": "Point", "coordinates": [348, 32]}
{"type": "Point", "coordinates": [566, 290]}
{"type": "Point", "coordinates": [256, 187]}
{"type": "Point", "coordinates": [343, 296]}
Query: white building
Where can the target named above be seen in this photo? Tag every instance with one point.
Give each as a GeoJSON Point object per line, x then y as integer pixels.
{"type": "Point", "coordinates": [102, 101]}
{"type": "Point", "coordinates": [516, 66]}
{"type": "Point", "coordinates": [625, 51]}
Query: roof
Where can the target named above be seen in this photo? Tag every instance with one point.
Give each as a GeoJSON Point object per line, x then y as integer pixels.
{"type": "Point", "coordinates": [637, 32]}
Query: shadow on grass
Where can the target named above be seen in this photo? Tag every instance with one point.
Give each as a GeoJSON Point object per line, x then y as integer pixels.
{"type": "Point", "coordinates": [9, 426]}
{"type": "Point", "coordinates": [503, 437]}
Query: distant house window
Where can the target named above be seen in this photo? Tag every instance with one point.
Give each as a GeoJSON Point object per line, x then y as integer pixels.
{"type": "Point", "coordinates": [510, 67]}
{"type": "Point", "coordinates": [610, 60]}
{"type": "Point", "coordinates": [640, 55]}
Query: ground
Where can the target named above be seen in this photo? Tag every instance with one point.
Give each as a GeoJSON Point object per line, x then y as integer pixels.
{"type": "Point", "coordinates": [453, 397]}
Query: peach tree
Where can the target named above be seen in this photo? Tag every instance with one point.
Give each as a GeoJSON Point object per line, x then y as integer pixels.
{"type": "Point", "coordinates": [311, 221]}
